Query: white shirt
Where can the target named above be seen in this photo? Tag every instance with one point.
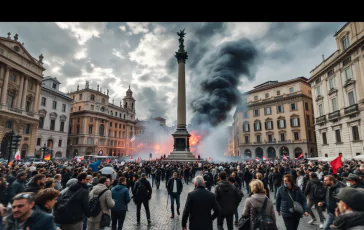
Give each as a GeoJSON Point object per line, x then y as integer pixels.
{"type": "Point", "coordinates": [175, 186]}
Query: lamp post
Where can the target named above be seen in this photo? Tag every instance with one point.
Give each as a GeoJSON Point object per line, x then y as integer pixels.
{"type": "Point", "coordinates": [43, 150]}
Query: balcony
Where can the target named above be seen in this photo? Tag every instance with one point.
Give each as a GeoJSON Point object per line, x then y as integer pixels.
{"type": "Point", "coordinates": [351, 109]}
{"type": "Point", "coordinates": [15, 110]}
{"type": "Point", "coordinates": [334, 115]}
{"type": "Point", "coordinates": [321, 120]}
{"type": "Point", "coordinates": [271, 142]}
{"type": "Point", "coordinates": [285, 141]}
{"type": "Point", "coordinates": [258, 143]}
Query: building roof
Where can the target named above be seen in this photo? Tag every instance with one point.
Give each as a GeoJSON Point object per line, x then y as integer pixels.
{"type": "Point", "coordinates": [51, 78]}
{"type": "Point", "coordinates": [337, 32]}
{"type": "Point", "coordinates": [61, 94]}
{"type": "Point", "coordinates": [273, 84]}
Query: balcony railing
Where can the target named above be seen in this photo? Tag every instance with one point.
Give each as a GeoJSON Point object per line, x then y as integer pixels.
{"type": "Point", "coordinates": [334, 115]}
{"type": "Point", "coordinates": [257, 142]}
{"type": "Point", "coordinates": [351, 109]}
{"type": "Point", "coordinates": [321, 119]}
{"type": "Point", "coordinates": [30, 114]}
{"type": "Point", "coordinates": [271, 142]}
{"type": "Point", "coordinates": [15, 110]}
{"type": "Point", "coordinates": [285, 141]}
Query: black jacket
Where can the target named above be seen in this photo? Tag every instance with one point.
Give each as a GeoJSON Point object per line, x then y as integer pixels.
{"type": "Point", "coordinates": [80, 207]}
{"type": "Point", "coordinates": [228, 197]}
{"type": "Point", "coordinates": [142, 197]}
{"type": "Point", "coordinates": [349, 221]}
{"type": "Point", "coordinates": [37, 220]}
{"type": "Point", "coordinates": [265, 183]}
{"type": "Point", "coordinates": [198, 208]}
{"type": "Point", "coordinates": [284, 202]}
{"type": "Point", "coordinates": [247, 175]}
{"type": "Point", "coordinates": [310, 186]}
{"type": "Point", "coordinates": [330, 201]}
{"type": "Point", "coordinates": [32, 187]}
{"type": "Point", "coordinates": [170, 185]}
{"type": "Point", "coordinates": [277, 178]}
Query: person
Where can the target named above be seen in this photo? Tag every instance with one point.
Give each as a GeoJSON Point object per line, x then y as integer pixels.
{"type": "Point", "coordinates": [18, 186]}
{"type": "Point", "coordinates": [284, 204]}
{"type": "Point", "coordinates": [330, 202]}
{"type": "Point", "coordinates": [300, 180]}
{"type": "Point", "coordinates": [353, 181]}
{"type": "Point", "coordinates": [106, 203]}
{"type": "Point", "coordinates": [259, 176]}
{"type": "Point", "coordinates": [233, 182]}
{"type": "Point", "coordinates": [68, 184]}
{"type": "Point", "coordinates": [158, 177]}
{"type": "Point", "coordinates": [248, 176]}
{"type": "Point", "coordinates": [277, 181]}
{"type": "Point", "coordinates": [57, 183]}
{"type": "Point", "coordinates": [314, 184]}
{"type": "Point", "coordinates": [142, 193]}
{"type": "Point", "coordinates": [79, 203]}
{"type": "Point", "coordinates": [198, 207]}
{"type": "Point", "coordinates": [174, 188]}
{"type": "Point", "coordinates": [120, 194]}
{"type": "Point", "coordinates": [208, 179]}
{"type": "Point", "coordinates": [26, 215]}
{"type": "Point", "coordinates": [36, 184]}
{"type": "Point", "coordinates": [45, 199]}
{"type": "Point", "coordinates": [256, 201]}
{"type": "Point", "coordinates": [350, 211]}
{"type": "Point", "coordinates": [228, 198]}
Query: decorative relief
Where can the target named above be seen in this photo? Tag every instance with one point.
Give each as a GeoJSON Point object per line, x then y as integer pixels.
{"type": "Point", "coordinates": [53, 115]}
{"type": "Point", "coordinates": [42, 112]}
{"type": "Point", "coordinates": [63, 117]}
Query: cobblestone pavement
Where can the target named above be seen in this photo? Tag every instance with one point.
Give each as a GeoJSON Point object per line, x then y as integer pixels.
{"type": "Point", "coordinates": [160, 215]}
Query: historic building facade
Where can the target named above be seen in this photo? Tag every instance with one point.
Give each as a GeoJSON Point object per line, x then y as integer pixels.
{"type": "Point", "coordinates": [20, 82]}
{"type": "Point", "coordinates": [97, 125]}
{"type": "Point", "coordinates": [275, 119]}
{"type": "Point", "coordinates": [54, 116]}
{"type": "Point", "coordinates": [337, 88]}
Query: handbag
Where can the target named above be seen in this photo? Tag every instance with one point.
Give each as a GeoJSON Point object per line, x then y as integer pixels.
{"type": "Point", "coordinates": [244, 223]}
{"type": "Point", "coordinates": [105, 220]}
{"type": "Point", "coordinates": [297, 207]}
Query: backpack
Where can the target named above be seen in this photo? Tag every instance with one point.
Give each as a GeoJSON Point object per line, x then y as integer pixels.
{"type": "Point", "coordinates": [94, 204]}
{"type": "Point", "coordinates": [263, 221]}
{"type": "Point", "coordinates": [63, 211]}
{"type": "Point", "coordinates": [141, 190]}
{"type": "Point", "coordinates": [318, 192]}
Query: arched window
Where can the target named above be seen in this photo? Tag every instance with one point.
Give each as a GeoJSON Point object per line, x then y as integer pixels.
{"type": "Point", "coordinates": [124, 116]}
{"type": "Point", "coordinates": [116, 114]}
{"type": "Point", "coordinates": [102, 109]}
{"type": "Point", "coordinates": [92, 97]}
{"type": "Point", "coordinates": [132, 105]}
{"type": "Point", "coordinates": [101, 130]}
{"type": "Point", "coordinates": [103, 100]}
{"type": "Point", "coordinates": [9, 125]}
{"type": "Point", "coordinates": [126, 105]}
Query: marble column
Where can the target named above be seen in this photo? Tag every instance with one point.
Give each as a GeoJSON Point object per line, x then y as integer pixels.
{"type": "Point", "coordinates": [36, 98]}
{"type": "Point", "coordinates": [25, 91]}
{"type": "Point", "coordinates": [181, 102]}
{"type": "Point", "coordinates": [18, 103]}
{"type": "Point", "coordinates": [2, 71]}
{"type": "Point", "coordinates": [4, 91]}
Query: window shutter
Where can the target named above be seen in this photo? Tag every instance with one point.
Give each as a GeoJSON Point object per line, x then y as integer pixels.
{"type": "Point", "coordinates": [284, 122]}
{"type": "Point", "coordinates": [278, 124]}
{"type": "Point", "coordinates": [271, 124]}
{"type": "Point", "coordinates": [298, 121]}
{"type": "Point", "coordinates": [255, 126]}
{"type": "Point", "coordinates": [291, 122]}
{"type": "Point", "coordinates": [265, 125]}
{"type": "Point", "coordinates": [248, 127]}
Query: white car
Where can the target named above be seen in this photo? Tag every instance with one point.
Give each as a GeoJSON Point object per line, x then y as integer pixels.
{"type": "Point", "coordinates": [35, 161]}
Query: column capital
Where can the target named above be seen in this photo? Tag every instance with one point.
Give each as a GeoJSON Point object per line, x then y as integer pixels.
{"type": "Point", "coordinates": [181, 56]}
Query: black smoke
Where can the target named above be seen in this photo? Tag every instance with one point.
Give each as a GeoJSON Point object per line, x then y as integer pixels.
{"type": "Point", "coordinates": [222, 71]}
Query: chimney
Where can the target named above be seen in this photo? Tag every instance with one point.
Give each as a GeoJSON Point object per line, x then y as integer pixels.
{"type": "Point", "coordinates": [323, 58]}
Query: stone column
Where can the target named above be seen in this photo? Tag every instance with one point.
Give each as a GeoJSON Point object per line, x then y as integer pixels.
{"type": "Point", "coordinates": [25, 90]}
{"type": "Point", "coordinates": [4, 91]}
{"type": "Point", "coordinates": [20, 92]}
{"type": "Point", "coordinates": [2, 71]}
{"type": "Point", "coordinates": [181, 104]}
{"type": "Point", "coordinates": [36, 98]}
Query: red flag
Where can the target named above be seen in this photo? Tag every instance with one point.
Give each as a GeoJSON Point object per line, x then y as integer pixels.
{"type": "Point", "coordinates": [265, 158]}
{"type": "Point", "coordinates": [336, 164]}
{"type": "Point", "coordinates": [301, 155]}
{"type": "Point", "coordinates": [284, 157]}
{"type": "Point", "coordinates": [107, 161]}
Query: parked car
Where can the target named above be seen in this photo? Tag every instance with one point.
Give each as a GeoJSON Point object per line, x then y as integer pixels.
{"type": "Point", "coordinates": [33, 160]}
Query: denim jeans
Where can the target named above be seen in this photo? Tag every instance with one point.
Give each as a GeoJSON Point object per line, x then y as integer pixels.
{"type": "Point", "coordinates": [247, 187]}
{"type": "Point", "coordinates": [276, 187]}
{"type": "Point", "coordinates": [117, 218]}
{"type": "Point", "coordinates": [329, 220]}
{"type": "Point", "coordinates": [236, 216]}
{"type": "Point", "coordinates": [153, 179]}
{"type": "Point", "coordinates": [174, 196]}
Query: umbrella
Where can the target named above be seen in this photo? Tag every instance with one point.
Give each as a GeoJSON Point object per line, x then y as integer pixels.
{"type": "Point", "coordinates": [107, 170]}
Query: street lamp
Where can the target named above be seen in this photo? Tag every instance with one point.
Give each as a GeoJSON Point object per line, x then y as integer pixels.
{"type": "Point", "coordinates": [43, 150]}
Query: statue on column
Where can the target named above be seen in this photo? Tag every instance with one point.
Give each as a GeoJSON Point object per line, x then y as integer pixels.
{"type": "Point", "coordinates": [78, 86]}
{"type": "Point", "coordinates": [107, 92]}
{"type": "Point", "coordinates": [97, 87]}
{"type": "Point", "coordinates": [181, 35]}
{"type": "Point", "coordinates": [87, 84]}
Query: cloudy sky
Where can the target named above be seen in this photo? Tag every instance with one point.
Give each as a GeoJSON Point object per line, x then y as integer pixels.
{"type": "Point", "coordinates": [115, 55]}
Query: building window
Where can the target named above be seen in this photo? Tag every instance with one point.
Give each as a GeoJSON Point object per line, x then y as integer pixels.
{"type": "Point", "coordinates": [334, 104]}
{"type": "Point", "coordinates": [258, 139]}
{"type": "Point", "coordinates": [63, 107]}
{"type": "Point", "coordinates": [330, 72]}
{"type": "Point", "coordinates": [61, 127]}
{"type": "Point", "coordinates": [53, 124]}
{"type": "Point", "coordinates": [324, 138]}
{"type": "Point", "coordinates": [9, 125]}
{"type": "Point", "coordinates": [270, 138]}
{"type": "Point", "coordinates": [295, 122]}
{"type": "Point", "coordinates": [338, 136]}
{"type": "Point", "coordinates": [90, 129]}
{"type": "Point", "coordinates": [308, 120]}
{"type": "Point", "coordinates": [116, 114]}
{"type": "Point", "coordinates": [355, 130]}
{"type": "Point", "coordinates": [27, 106]}
{"type": "Point", "coordinates": [79, 108]}
{"type": "Point", "coordinates": [92, 97]}
{"type": "Point", "coordinates": [102, 109]}
{"type": "Point", "coordinates": [41, 122]}
{"type": "Point", "coordinates": [39, 140]}
{"type": "Point", "coordinates": [306, 106]}
{"type": "Point", "coordinates": [43, 102]}
{"type": "Point", "coordinates": [80, 96]}
{"type": "Point", "coordinates": [89, 141]}
{"type": "Point", "coordinates": [348, 73]}
{"type": "Point", "coordinates": [268, 111]}
{"type": "Point", "coordinates": [345, 42]}
{"type": "Point", "coordinates": [291, 90]}
{"type": "Point", "coordinates": [255, 98]}
{"type": "Point", "coordinates": [257, 126]}
{"type": "Point", "coordinates": [351, 98]}
{"type": "Point", "coordinates": [11, 99]}
{"type": "Point", "coordinates": [91, 119]}
{"type": "Point", "coordinates": [246, 127]}
{"type": "Point", "coordinates": [293, 106]}
{"type": "Point", "coordinates": [318, 90]}
{"type": "Point", "coordinates": [78, 129]}
{"type": "Point", "coordinates": [12, 77]}
{"type": "Point", "coordinates": [101, 130]}
{"type": "Point", "coordinates": [281, 123]}
{"type": "Point", "coordinates": [92, 107]}
{"type": "Point", "coordinates": [278, 92]}
{"type": "Point", "coordinates": [246, 139]}
{"type": "Point", "coordinates": [280, 109]}
{"type": "Point", "coordinates": [331, 83]}
{"type": "Point", "coordinates": [321, 109]}
{"type": "Point", "coordinates": [28, 129]}
{"type": "Point", "coordinates": [283, 137]}
{"type": "Point", "coordinates": [256, 113]}
{"type": "Point", "coordinates": [78, 120]}
{"type": "Point", "coordinates": [266, 95]}
{"type": "Point", "coordinates": [59, 143]}
{"type": "Point", "coordinates": [103, 100]}
{"type": "Point", "coordinates": [54, 105]}
{"type": "Point", "coordinates": [245, 115]}
{"type": "Point", "coordinates": [269, 125]}
{"type": "Point", "coordinates": [54, 86]}
{"type": "Point", "coordinates": [110, 124]}
{"type": "Point", "coordinates": [296, 136]}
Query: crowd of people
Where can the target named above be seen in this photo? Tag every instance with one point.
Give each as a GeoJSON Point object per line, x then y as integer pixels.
{"type": "Point", "coordinates": [76, 195]}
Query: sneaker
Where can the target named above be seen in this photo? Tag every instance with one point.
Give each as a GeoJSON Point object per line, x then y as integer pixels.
{"type": "Point", "coordinates": [321, 226]}
{"type": "Point", "coordinates": [178, 211]}
{"type": "Point", "coordinates": [149, 222]}
{"type": "Point", "coordinates": [311, 221]}
{"type": "Point", "coordinates": [172, 216]}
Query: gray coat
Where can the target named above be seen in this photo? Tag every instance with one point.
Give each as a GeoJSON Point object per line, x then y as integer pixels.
{"type": "Point", "coordinates": [256, 201]}
{"type": "Point", "coordinates": [106, 201]}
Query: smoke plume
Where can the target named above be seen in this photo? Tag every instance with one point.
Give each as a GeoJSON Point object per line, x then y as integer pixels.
{"type": "Point", "coordinates": [221, 72]}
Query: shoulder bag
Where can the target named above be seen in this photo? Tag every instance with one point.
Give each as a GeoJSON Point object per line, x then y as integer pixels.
{"type": "Point", "coordinates": [297, 207]}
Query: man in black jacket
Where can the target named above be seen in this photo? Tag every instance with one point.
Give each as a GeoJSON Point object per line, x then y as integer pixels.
{"type": "Point", "coordinates": [174, 188]}
{"type": "Point", "coordinates": [198, 207]}
{"type": "Point", "coordinates": [36, 184]}
{"type": "Point", "coordinates": [332, 189]}
{"type": "Point", "coordinates": [79, 203]}
{"type": "Point", "coordinates": [142, 193]}
{"type": "Point", "coordinates": [313, 184]}
{"type": "Point", "coordinates": [228, 198]}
